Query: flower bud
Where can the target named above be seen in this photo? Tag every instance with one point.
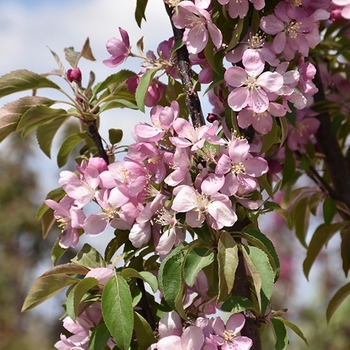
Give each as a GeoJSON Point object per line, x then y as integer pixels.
{"type": "Point", "coordinates": [212, 117]}
{"type": "Point", "coordinates": [74, 75]}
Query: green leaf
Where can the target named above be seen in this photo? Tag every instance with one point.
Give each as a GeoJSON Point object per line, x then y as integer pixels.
{"type": "Point", "coordinates": [143, 331]}
{"type": "Point", "coordinates": [293, 327]}
{"type": "Point", "coordinates": [266, 274]}
{"type": "Point", "coordinates": [227, 257]}
{"type": "Point", "coordinates": [76, 295]}
{"type": "Point", "coordinates": [11, 113]}
{"type": "Point", "coordinates": [140, 11]}
{"type": "Point", "coordinates": [340, 295]}
{"type": "Point", "coordinates": [114, 81]}
{"type": "Point", "coordinates": [57, 194]}
{"type": "Point", "coordinates": [118, 312]}
{"type": "Point", "coordinates": [89, 257]}
{"type": "Point", "coordinates": [196, 260]}
{"type": "Point", "coordinates": [45, 134]}
{"type": "Point", "coordinates": [50, 283]}
{"type": "Point", "coordinates": [236, 35]}
{"type": "Point", "coordinates": [142, 88]}
{"type": "Point", "coordinates": [235, 304]}
{"type": "Point", "coordinates": [56, 252]}
{"type": "Point", "coordinates": [67, 147]}
{"type": "Point", "coordinates": [21, 80]}
{"type": "Point", "coordinates": [301, 216]}
{"type": "Point", "coordinates": [281, 334]}
{"type": "Point", "coordinates": [99, 337]}
{"type": "Point", "coordinates": [144, 275]}
{"type": "Point", "coordinates": [329, 210]}
{"type": "Point", "coordinates": [261, 241]}
{"type": "Point", "coordinates": [288, 167]}
{"type": "Point", "coordinates": [37, 116]}
{"type": "Point", "coordinates": [322, 235]}
{"type": "Point", "coordinates": [171, 283]}
{"type": "Point", "coordinates": [115, 136]}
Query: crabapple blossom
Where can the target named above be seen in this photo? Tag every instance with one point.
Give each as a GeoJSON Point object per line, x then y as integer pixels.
{"type": "Point", "coordinates": [227, 337]}
{"type": "Point", "coordinates": [216, 208]}
{"type": "Point", "coordinates": [251, 89]}
{"type": "Point", "coordinates": [261, 122]}
{"type": "Point", "coordinates": [198, 24]}
{"type": "Point", "coordinates": [240, 168]}
{"type": "Point", "coordinates": [345, 7]}
{"type": "Point", "coordinates": [119, 49]}
{"type": "Point", "coordinates": [70, 219]}
{"type": "Point", "coordinates": [240, 8]}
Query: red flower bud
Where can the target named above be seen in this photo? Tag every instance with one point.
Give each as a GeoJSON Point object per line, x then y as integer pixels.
{"type": "Point", "coordinates": [74, 75]}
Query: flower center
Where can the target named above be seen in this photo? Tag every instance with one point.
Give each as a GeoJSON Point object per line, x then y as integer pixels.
{"type": "Point", "coordinates": [291, 29]}
{"type": "Point", "coordinates": [62, 222]}
{"type": "Point", "coordinates": [251, 83]}
{"type": "Point", "coordinates": [256, 42]}
{"type": "Point", "coordinates": [228, 336]}
{"type": "Point", "coordinates": [165, 217]}
{"type": "Point", "coordinates": [109, 213]}
{"type": "Point", "coordinates": [238, 168]}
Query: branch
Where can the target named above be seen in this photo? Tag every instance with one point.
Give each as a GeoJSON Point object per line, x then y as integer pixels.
{"type": "Point", "coordinates": [96, 137]}
{"type": "Point", "coordinates": [184, 68]}
{"type": "Point", "coordinates": [336, 163]}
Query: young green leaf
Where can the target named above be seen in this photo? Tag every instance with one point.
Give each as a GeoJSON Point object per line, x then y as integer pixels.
{"type": "Point", "coordinates": [227, 257]}
{"type": "Point", "coordinates": [140, 11]}
{"type": "Point", "coordinates": [142, 88]}
{"type": "Point", "coordinates": [89, 257]}
{"type": "Point", "coordinates": [115, 136]}
{"type": "Point", "coordinates": [37, 116]}
{"type": "Point", "coordinates": [196, 260]}
{"type": "Point", "coordinates": [144, 275]}
{"type": "Point", "coordinates": [77, 293]}
{"type": "Point", "coordinates": [56, 252]}
{"type": "Point", "coordinates": [118, 312]}
{"type": "Point", "coordinates": [281, 334]}
{"type": "Point", "coordinates": [11, 113]}
{"type": "Point", "coordinates": [235, 304]}
{"type": "Point", "coordinates": [322, 235]}
{"type": "Point", "coordinates": [21, 80]}
{"type": "Point", "coordinates": [45, 134]}
{"type": "Point", "coordinates": [114, 80]}
{"type": "Point", "coordinates": [340, 295]}
{"type": "Point", "coordinates": [293, 327]}
{"type": "Point", "coordinates": [99, 337]}
{"type": "Point", "coordinates": [143, 332]}
{"type": "Point", "coordinates": [266, 274]}
{"type": "Point", "coordinates": [171, 281]}
{"type": "Point", "coordinates": [50, 283]}
{"type": "Point", "coordinates": [67, 147]}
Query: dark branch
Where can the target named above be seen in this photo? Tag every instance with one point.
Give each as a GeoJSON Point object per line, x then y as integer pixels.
{"type": "Point", "coordinates": [336, 163]}
{"type": "Point", "coordinates": [96, 137]}
{"type": "Point", "coordinates": [184, 68]}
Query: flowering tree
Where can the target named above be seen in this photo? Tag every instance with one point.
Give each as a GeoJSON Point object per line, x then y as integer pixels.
{"type": "Point", "coordinates": [186, 200]}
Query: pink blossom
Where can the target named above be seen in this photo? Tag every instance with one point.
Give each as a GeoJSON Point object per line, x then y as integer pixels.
{"type": "Point", "coordinates": [197, 23]}
{"type": "Point", "coordinates": [345, 7]}
{"type": "Point", "coordinates": [70, 219]}
{"type": "Point", "coordinates": [294, 29]}
{"type": "Point", "coordinates": [240, 8]}
{"type": "Point", "coordinates": [154, 92]}
{"type": "Point", "coordinates": [80, 329]}
{"type": "Point", "coordinates": [191, 339]}
{"type": "Point", "coordinates": [216, 208]}
{"type": "Point", "coordinates": [299, 134]}
{"type": "Point", "coordinates": [172, 231]}
{"type": "Point", "coordinates": [261, 122]}
{"type": "Point", "coordinates": [251, 89]}
{"type": "Point", "coordinates": [119, 49]}
{"type": "Point", "coordinates": [227, 337]}
{"type": "Point", "coordinates": [240, 168]}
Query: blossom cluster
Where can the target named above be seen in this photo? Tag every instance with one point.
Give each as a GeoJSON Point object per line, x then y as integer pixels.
{"type": "Point", "coordinates": [204, 333]}
{"type": "Point", "coordinates": [172, 168]}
